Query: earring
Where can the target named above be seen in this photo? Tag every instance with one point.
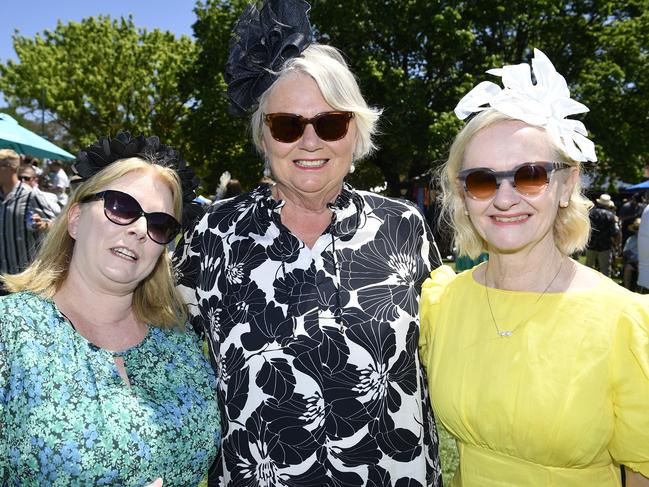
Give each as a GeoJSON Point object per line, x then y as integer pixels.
{"type": "Point", "coordinates": [267, 172]}
{"type": "Point", "coordinates": [352, 168]}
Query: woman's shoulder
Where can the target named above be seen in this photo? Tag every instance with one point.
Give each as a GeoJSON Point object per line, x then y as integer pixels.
{"type": "Point", "coordinates": [442, 280]}
{"type": "Point", "coordinates": [377, 201]}
{"type": "Point", "coordinates": [182, 338]}
{"type": "Point", "coordinates": [590, 283]}
{"type": "Point", "coordinates": [603, 297]}
{"type": "Point", "coordinates": [24, 304]}
{"type": "Point", "coordinates": [25, 316]}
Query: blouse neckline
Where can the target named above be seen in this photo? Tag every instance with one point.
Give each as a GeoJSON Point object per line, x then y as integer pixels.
{"type": "Point", "coordinates": [602, 280]}
{"type": "Point", "coordinates": [94, 347]}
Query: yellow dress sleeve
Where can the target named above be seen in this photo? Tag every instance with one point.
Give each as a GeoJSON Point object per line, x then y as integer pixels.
{"type": "Point", "coordinates": [431, 292]}
{"type": "Point", "coordinates": [630, 369]}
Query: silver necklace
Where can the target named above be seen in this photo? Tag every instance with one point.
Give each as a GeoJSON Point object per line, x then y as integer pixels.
{"type": "Point", "coordinates": [508, 333]}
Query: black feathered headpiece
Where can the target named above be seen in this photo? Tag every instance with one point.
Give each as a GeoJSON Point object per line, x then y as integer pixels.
{"type": "Point", "coordinates": [107, 150]}
{"type": "Point", "coordinates": [263, 39]}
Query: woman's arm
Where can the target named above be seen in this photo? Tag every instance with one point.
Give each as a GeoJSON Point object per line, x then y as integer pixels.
{"type": "Point", "coordinates": [635, 479]}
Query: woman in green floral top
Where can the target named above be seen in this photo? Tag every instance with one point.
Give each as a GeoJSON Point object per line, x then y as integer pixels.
{"type": "Point", "coordinates": [100, 381]}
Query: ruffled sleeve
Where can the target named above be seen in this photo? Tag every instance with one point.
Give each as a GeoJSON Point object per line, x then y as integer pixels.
{"type": "Point", "coordinates": [630, 369]}
{"type": "Point", "coordinates": [431, 293]}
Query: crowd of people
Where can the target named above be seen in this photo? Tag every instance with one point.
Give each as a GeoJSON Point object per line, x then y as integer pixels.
{"type": "Point", "coordinates": [307, 333]}
{"type": "Point", "coordinates": [615, 240]}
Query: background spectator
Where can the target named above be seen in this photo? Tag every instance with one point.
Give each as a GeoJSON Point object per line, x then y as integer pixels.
{"type": "Point", "coordinates": [630, 255]}
{"type": "Point", "coordinates": [643, 252]}
{"type": "Point", "coordinates": [18, 204]}
{"type": "Point", "coordinates": [27, 174]}
{"type": "Point", "coordinates": [603, 235]}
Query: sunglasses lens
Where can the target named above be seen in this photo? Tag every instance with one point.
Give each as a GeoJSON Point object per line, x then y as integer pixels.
{"type": "Point", "coordinates": [530, 179]}
{"type": "Point", "coordinates": [162, 228]}
{"type": "Point", "coordinates": [121, 208]}
{"type": "Point", "coordinates": [481, 184]}
{"type": "Point", "coordinates": [285, 127]}
{"type": "Point", "coordinates": [332, 126]}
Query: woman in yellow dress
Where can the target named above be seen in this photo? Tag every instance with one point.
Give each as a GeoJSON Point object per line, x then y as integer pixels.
{"type": "Point", "coordinates": [537, 365]}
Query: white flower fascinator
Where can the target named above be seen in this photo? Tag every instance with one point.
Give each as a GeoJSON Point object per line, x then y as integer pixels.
{"type": "Point", "coordinates": [545, 104]}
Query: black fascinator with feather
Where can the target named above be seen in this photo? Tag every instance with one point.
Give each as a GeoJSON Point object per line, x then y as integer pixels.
{"type": "Point", "coordinates": [107, 150]}
{"type": "Point", "coordinates": [262, 40]}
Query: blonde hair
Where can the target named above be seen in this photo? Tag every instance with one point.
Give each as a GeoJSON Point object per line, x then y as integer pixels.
{"type": "Point", "coordinates": [339, 88]}
{"type": "Point", "coordinates": [571, 227]}
{"type": "Point", "coordinates": [155, 299]}
{"type": "Point", "coordinates": [11, 156]}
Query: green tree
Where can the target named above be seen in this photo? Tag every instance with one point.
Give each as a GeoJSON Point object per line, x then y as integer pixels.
{"type": "Point", "coordinates": [100, 76]}
{"type": "Point", "coordinates": [217, 140]}
{"type": "Point", "coordinates": [417, 58]}
{"type": "Point", "coordinates": [600, 48]}
{"type": "Point", "coordinates": [405, 54]}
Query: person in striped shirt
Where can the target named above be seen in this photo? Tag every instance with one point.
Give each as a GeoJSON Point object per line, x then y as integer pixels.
{"type": "Point", "coordinates": [24, 216]}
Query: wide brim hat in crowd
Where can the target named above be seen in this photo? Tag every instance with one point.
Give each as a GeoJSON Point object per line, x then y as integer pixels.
{"type": "Point", "coordinates": [605, 200]}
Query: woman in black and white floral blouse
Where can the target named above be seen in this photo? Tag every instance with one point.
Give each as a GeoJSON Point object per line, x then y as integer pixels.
{"type": "Point", "coordinates": [308, 292]}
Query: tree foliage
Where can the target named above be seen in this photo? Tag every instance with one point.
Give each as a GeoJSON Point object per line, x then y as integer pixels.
{"type": "Point", "coordinates": [413, 58]}
{"type": "Point", "coordinates": [217, 140]}
{"type": "Point", "coordinates": [416, 58]}
{"type": "Point", "coordinates": [99, 76]}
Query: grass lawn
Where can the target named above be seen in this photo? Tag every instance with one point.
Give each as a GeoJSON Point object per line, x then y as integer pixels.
{"type": "Point", "coordinates": [447, 453]}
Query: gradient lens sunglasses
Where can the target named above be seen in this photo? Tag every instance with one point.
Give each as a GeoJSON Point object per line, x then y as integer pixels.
{"type": "Point", "coordinates": [529, 179]}
{"type": "Point", "coordinates": [122, 209]}
{"type": "Point", "coordinates": [288, 127]}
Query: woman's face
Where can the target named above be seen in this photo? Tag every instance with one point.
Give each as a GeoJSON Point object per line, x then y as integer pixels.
{"type": "Point", "coordinates": [509, 221]}
{"type": "Point", "coordinates": [310, 167]}
{"type": "Point", "coordinates": [116, 258]}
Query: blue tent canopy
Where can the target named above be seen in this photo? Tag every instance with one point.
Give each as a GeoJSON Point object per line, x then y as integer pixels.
{"type": "Point", "coordinates": [13, 136]}
{"type": "Point", "coordinates": [643, 186]}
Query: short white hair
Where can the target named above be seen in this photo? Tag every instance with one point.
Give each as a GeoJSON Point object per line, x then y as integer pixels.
{"type": "Point", "coordinates": [339, 88]}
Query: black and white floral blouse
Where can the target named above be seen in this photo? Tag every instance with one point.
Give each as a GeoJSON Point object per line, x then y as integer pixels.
{"type": "Point", "coordinates": [315, 349]}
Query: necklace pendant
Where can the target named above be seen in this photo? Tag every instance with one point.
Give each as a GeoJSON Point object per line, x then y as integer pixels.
{"type": "Point", "coordinates": [505, 333]}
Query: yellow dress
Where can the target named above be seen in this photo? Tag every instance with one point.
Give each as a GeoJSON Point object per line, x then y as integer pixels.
{"type": "Point", "coordinates": [560, 402]}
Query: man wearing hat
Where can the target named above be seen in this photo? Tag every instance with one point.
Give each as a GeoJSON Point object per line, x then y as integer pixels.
{"type": "Point", "coordinates": [603, 234]}
{"type": "Point", "coordinates": [630, 254]}
{"type": "Point", "coordinates": [19, 233]}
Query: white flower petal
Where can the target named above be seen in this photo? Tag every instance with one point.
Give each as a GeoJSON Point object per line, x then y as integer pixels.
{"type": "Point", "coordinates": [517, 77]}
{"type": "Point", "coordinates": [474, 100]}
{"type": "Point", "coordinates": [552, 83]}
{"type": "Point", "coordinates": [586, 146]}
{"type": "Point", "coordinates": [562, 107]}
{"type": "Point", "coordinates": [545, 104]}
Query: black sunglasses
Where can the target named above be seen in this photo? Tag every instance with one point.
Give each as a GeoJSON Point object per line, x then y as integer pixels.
{"type": "Point", "coordinates": [122, 209]}
{"type": "Point", "coordinates": [528, 178]}
{"type": "Point", "coordinates": [288, 127]}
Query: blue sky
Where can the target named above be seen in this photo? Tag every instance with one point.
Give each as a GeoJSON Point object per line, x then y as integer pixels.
{"type": "Point", "coordinates": [33, 16]}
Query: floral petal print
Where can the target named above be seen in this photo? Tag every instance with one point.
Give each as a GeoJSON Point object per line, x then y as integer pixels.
{"type": "Point", "coordinates": [276, 379]}
{"type": "Point", "coordinates": [316, 347]}
{"type": "Point", "coordinates": [69, 419]}
{"type": "Point", "coordinates": [271, 326]}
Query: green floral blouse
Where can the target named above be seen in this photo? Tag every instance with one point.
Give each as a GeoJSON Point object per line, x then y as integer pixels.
{"type": "Point", "coordinates": [67, 418]}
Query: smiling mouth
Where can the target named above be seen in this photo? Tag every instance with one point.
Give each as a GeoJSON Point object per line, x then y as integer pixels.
{"type": "Point", "coordinates": [310, 164]}
{"type": "Point", "coordinates": [124, 253]}
{"type": "Point", "coordinates": [510, 219]}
